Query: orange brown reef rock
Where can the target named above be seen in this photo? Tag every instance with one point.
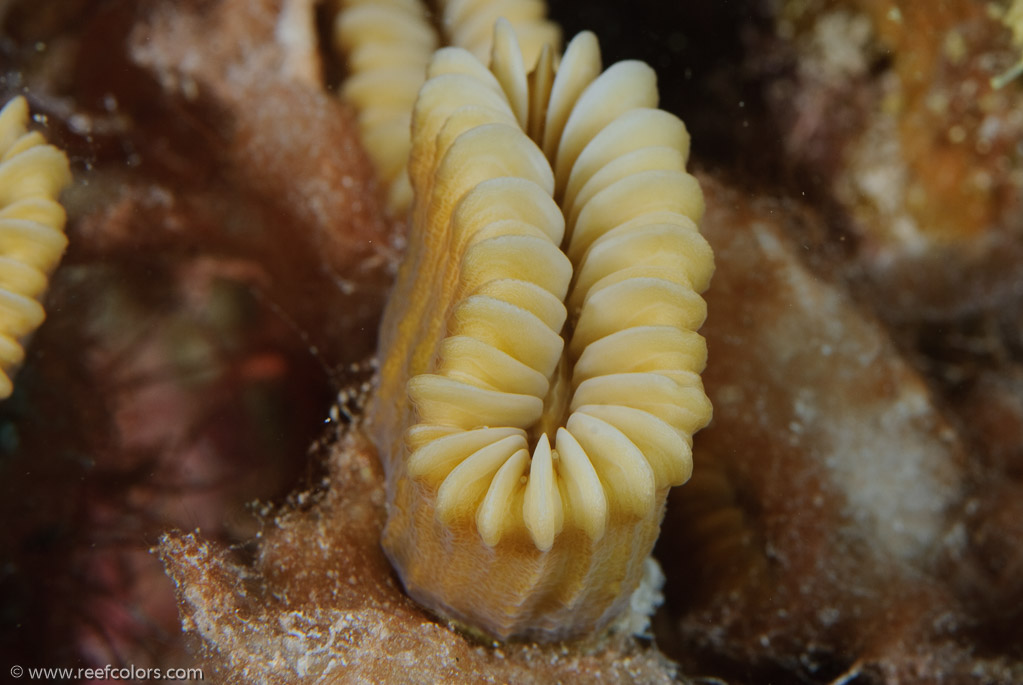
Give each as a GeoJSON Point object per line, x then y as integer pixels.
{"type": "Point", "coordinates": [854, 514]}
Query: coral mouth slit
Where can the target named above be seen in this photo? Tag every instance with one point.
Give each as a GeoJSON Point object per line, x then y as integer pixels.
{"type": "Point", "coordinates": [539, 352]}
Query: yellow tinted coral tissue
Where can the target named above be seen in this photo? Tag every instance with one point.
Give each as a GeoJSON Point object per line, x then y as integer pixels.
{"type": "Point", "coordinates": [32, 239]}
{"type": "Point", "coordinates": [539, 383]}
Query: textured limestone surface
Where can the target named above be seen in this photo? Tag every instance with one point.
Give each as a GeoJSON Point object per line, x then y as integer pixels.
{"type": "Point", "coordinates": [831, 494]}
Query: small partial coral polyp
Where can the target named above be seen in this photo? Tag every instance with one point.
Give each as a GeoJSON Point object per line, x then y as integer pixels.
{"type": "Point", "coordinates": [540, 360]}
{"type": "Point", "coordinates": [32, 238]}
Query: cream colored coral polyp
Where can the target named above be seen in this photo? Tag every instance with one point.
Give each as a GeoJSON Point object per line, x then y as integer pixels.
{"type": "Point", "coordinates": [636, 302]}
{"type": "Point", "coordinates": [509, 198]}
{"type": "Point", "coordinates": [435, 459]}
{"type": "Point", "coordinates": [369, 24]}
{"type": "Point", "coordinates": [632, 196]}
{"type": "Point", "coordinates": [654, 158]}
{"type": "Point", "coordinates": [475, 362]}
{"type": "Point", "coordinates": [447, 402]}
{"type": "Point", "coordinates": [37, 244]}
{"type": "Point", "coordinates": [586, 500]}
{"type": "Point", "coordinates": [622, 87]}
{"type": "Point", "coordinates": [642, 349]}
{"type": "Point", "coordinates": [505, 491]}
{"type": "Point", "coordinates": [32, 241]}
{"type": "Point", "coordinates": [539, 439]}
{"type": "Point", "coordinates": [472, 24]}
{"type": "Point", "coordinates": [455, 60]}
{"type": "Point", "coordinates": [669, 245]}
{"type": "Point", "coordinates": [35, 170]}
{"type": "Point", "coordinates": [463, 492]}
{"type": "Point", "coordinates": [528, 257]}
{"type": "Point", "coordinates": [469, 24]}
{"type": "Point", "coordinates": [579, 67]}
{"type": "Point", "coordinates": [542, 510]}
{"type": "Point", "coordinates": [386, 45]}
{"type": "Point", "coordinates": [509, 69]}
{"type": "Point", "coordinates": [539, 83]}
{"type": "Point", "coordinates": [666, 449]}
{"type": "Point", "coordinates": [635, 129]}
{"type": "Point", "coordinates": [511, 329]}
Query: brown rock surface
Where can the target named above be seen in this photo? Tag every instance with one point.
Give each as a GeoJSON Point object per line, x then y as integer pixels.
{"type": "Point", "coordinates": [889, 104]}
{"type": "Point", "coordinates": [830, 493]}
